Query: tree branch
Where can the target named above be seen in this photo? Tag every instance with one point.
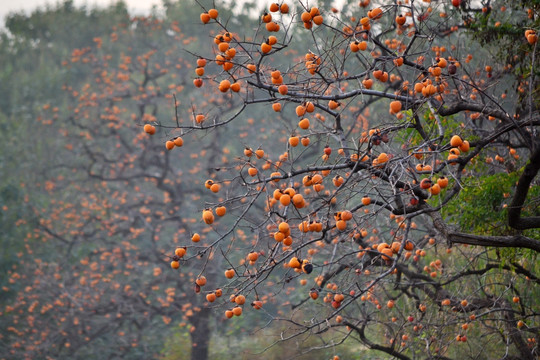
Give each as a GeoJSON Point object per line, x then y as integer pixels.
{"type": "Point", "coordinates": [373, 346]}
{"type": "Point", "coordinates": [514, 210]}
{"type": "Point", "coordinates": [454, 237]}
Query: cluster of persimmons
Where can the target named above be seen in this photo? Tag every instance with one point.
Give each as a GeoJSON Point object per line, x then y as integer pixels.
{"type": "Point", "coordinates": [311, 202]}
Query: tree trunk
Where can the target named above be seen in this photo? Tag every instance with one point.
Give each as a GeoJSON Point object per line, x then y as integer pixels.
{"type": "Point", "coordinates": [200, 336]}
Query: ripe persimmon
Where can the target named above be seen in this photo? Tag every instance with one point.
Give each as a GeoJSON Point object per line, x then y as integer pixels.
{"type": "Point", "coordinates": [455, 141]}
{"type": "Point", "coordinates": [221, 211]}
{"type": "Point", "coordinates": [425, 183]}
{"type": "Point", "coordinates": [346, 215]}
{"type": "Point", "coordinates": [266, 47]}
{"type": "Point", "coordinates": [198, 82]}
{"type": "Point", "coordinates": [465, 146]}
{"type": "Point", "coordinates": [318, 20]}
{"type": "Point", "coordinates": [257, 304]}
{"type": "Point", "coordinates": [180, 252]}
{"type": "Point", "coordinates": [304, 124]}
{"type": "Point", "coordinates": [284, 227]}
{"type": "Point", "coordinates": [201, 280]}
{"type": "Point", "coordinates": [368, 83]}
{"type": "Point", "coordinates": [300, 110]}
{"type": "Point", "coordinates": [362, 45]}
{"type": "Point", "coordinates": [395, 107]}
{"type": "Point", "coordinates": [285, 199]}
{"type": "Point", "coordinates": [294, 141]}
{"type": "Point", "coordinates": [208, 183]}
{"type": "Point", "coordinates": [178, 141]}
{"type": "Point", "coordinates": [237, 311]}
{"type": "Point", "coordinates": [298, 201]}
{"type": "Point", "coordinates": [240, 299]}
{"type": "Point", "coordinates": [253, 256]}
{"type": "Point", "coordinates": [333, 104]}
{"type": "Point", "coordinates": [435, 189]}
{"type": "Point", "coordinates": [230, 53]}
{"type": "Point", "coordinates": [398, 61]}
{"type": "Point", "coordinates": [375, 13]}
{"type": "Point", "coordinates": [201, 62]}
{"type": "Point", "coordinates": [149, 129]}
{"type": "Point", "coordinates": [294, 263]}
{"type": "Point", "coordinates": [224, 85]}
{"type": "Point", "coordinates": [382, 158]}
{"type": "Point", "coordinates": [229, 273]}
{"type": "Point", "coordinates": [387, 254]}
{"type": "Point", "coordinates": [442, 182]}
{"type": "Point", "coordinates": [338, 180]}
{"type": "Point", "coordinates": [199, 118]}
{"type": "Point", "coordinates": [279, 236]}
{"type": "Point", "coordinates": [224, 46]}
{"type": "Point", "coordinates": [208, 216]}
{"type": "Point", "coordinates": [305, 16]}
{"type": "Point", "coordinates": [205, 18]}
{"type": "Point", "coordinates": [266, 17]}
{"type": "Point", "coordinates": [213, 13]}
{"type": "Point", "coordinates": [409, 245]}
{"type": "Point", "coordinates": [272, 40]}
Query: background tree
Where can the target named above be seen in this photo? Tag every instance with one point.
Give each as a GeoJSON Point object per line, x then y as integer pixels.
{"type": "Point", "coordinates": [371, 207]}
{"type": "Point", "coordinates": [32, 49]}
{"type": "Point", "coordinates": [106, 201]}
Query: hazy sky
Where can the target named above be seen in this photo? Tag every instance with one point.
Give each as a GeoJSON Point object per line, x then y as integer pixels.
{"type": "Point", "coordinates": [135, 6]}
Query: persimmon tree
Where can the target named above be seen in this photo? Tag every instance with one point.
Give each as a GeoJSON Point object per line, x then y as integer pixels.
{"type": "Point", "coordinates": [387, 182]}
{"type": "Point", "coordinates": [365, 176]}
{"type": "Point", "coordinates": [92, 274]}
{"type": "Point", "coordinates": [32, 48]}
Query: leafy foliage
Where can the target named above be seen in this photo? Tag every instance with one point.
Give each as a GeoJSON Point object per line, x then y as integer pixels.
{"type": "Point", "coordinates": [480, 206]}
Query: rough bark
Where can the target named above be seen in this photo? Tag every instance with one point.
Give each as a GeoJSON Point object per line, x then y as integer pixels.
{"type": "Point", "coordinates": [522, 189]}
{"type": "Point", "coordinates": [200, 337]}
{"type": "Point", "coordinates": [455, 237]}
